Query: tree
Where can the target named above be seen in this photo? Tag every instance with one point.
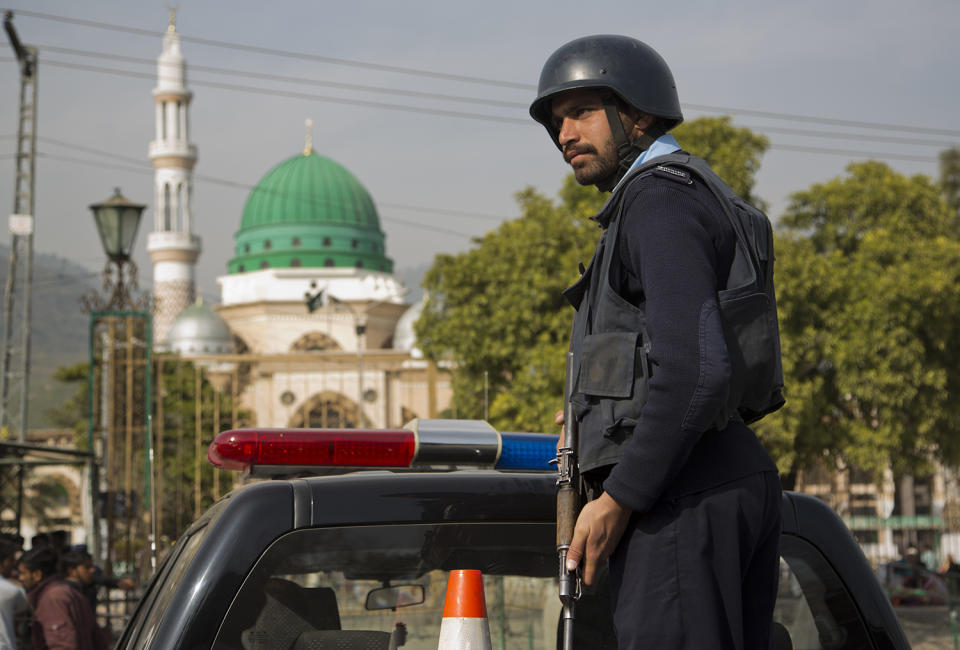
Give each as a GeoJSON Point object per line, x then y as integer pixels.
{"type": "Point", "coordinates": [950, 180]}
{"type": "Point", "coordinates": [867, 270]}
{"type": "Point", "coordinates": [497, 309]}
{"type": "Point", "coordinates": [177, 389]}
{"type": "Point", "coordinates": [75, 411]}
{"type": "Point", "coordinates": [732, 152]}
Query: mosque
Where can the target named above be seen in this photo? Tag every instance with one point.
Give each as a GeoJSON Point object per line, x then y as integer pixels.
{"type": "Point", "coordinates": [309, 230]}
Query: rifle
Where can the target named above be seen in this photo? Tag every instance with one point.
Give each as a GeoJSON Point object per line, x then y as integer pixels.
{"type": "Point", "coordinates": [568, 507]}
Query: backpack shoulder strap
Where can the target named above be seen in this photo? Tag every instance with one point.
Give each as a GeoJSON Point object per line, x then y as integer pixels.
{"type": "Point", "coordinates": [718, 187]}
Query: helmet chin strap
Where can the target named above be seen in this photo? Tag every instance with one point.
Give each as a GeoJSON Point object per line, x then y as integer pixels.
{"type": "Point", "coordinates": [627, 150]}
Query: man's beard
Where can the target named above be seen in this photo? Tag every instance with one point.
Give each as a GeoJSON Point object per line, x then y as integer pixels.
{"type": "Point", "coordinates": [599, 168]}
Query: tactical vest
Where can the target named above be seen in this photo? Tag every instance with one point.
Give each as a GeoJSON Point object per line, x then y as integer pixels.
{"type": "Point", "coordinates": [609, 341]}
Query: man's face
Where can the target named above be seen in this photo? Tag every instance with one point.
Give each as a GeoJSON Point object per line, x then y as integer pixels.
{"type": "Point", "coordinates": [30, 579]}
{"type": "Point", "coordinates": [7, 566]}
{"type": "Point", "coordinates": [584, 135]}
{"type": "Point", "coordinates": [83, 573]}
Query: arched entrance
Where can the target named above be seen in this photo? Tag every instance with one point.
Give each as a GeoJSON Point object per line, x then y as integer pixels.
{"type": "Point", "coordinates": [314, 342]}
{"type": "Point", "coordinates": [329, 410]}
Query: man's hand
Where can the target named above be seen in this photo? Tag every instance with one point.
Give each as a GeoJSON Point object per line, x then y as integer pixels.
{"type": "Point", "coordinates": [558, 418]}
{"type": "Point", "coordinates": [598, 531]}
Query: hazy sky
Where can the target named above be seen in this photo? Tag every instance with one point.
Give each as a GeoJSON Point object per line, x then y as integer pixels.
{"type": "Point", "coordinates": [881, 62]}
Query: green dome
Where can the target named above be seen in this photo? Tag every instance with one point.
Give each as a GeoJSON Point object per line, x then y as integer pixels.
{"type": "Point", "coordinates": [309, 211]}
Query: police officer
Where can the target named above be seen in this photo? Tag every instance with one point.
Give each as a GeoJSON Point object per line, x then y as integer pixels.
{"type": "Point", "coordinates": [685, 501]}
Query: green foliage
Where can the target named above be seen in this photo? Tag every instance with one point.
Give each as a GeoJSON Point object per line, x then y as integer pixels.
{"type": "Point", "coordinates": [950, 180]}
{"type": "Point", "coordinates": [179, 442]}
{"type": "Point", "coordinates": [497, 309]}
{"type": "Point", "coordinates": [867, 271]}
{"type": "Point", "coordinates": [74, 413]}
{"type": "Point", "coordinates": [179, 433]}
{"type": "Point", "coordinates": [732, 152]}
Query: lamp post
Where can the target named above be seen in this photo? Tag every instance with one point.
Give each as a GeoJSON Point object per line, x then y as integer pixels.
{"type": "Point", "coordinates": [117, 220]}
{"type": "Point", "coordinates": [115, 352]}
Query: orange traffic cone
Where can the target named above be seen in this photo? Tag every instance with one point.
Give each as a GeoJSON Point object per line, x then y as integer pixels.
{"type": "Point", "coordinates": [464, 625]}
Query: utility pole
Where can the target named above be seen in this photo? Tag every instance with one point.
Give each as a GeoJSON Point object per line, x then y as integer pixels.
{"type": "Point", "coordinates": [15, 369]}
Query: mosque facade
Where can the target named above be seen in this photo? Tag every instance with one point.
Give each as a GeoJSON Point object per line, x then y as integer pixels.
{"type": "Point", "coordinates": [309, 303]}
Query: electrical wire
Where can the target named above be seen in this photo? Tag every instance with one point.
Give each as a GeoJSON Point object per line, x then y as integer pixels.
{"type": "Point", "coordinates": [299, 95]}
{"type": "Point", "coordinates": [97, 163]}
{"type": "Point", "coordinates": [246, 186]}
{"type": "Point", "coordinates": [458, 98]}
{"type": "Point", "coordinates": [281, 53]}
{"type": "Point", "coordinates": [286, 79]}
{"type": "Point", "coordinates": [480, 80]}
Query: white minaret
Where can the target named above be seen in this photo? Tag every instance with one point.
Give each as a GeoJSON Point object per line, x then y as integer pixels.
{"type": "Point", "coordinates": [172, 245]}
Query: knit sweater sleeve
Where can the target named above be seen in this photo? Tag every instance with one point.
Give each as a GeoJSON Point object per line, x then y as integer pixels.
{"type": "Point", "coordinates": [672, 241]}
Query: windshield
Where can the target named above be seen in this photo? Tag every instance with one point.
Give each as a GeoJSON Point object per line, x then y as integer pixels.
{"type": "Point", "coordinates": [314, 584]}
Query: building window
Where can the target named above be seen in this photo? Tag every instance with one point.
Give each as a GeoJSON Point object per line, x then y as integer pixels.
{"type": "Point", "coordinates": [246, 248]}
{"type": "Point", "coordinates": [240, 268]}
{"type": "Point", "coordinates": [354, 243]}
{"type": "Point", "coordinates": [295, 262]}
{"type": "Point", "coordinates": [375, 247]}
{"type": "Point", "coordinates": [296, 242]}
{"type": "Point", "coordinates": [359, 264]}
{"type": "Point", "coordinates": [328, 262]}
{"type": "Point", "coordinates": [326, 241]}
{"type": "Point", "coordinates": [267, 245]}
{"type": "Point", "coordinates": [264, 264]}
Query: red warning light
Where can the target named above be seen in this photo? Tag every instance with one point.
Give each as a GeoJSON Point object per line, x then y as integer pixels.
{"type": "Point", "coordinates": [242, 448]}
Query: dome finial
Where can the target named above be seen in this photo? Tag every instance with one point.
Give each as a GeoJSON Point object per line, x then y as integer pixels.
{"type": "Point", "coordinates": [172, 10]}
{"type": "Point", "coordinates": [308, 147]}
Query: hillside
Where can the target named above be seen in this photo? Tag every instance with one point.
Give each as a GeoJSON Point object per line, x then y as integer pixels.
{"type": "Point", "coordinates": [59, 328]}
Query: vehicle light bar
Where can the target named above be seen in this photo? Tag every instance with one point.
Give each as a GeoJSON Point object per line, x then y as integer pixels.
{"type": "Point", "coordinates": [422, 444]}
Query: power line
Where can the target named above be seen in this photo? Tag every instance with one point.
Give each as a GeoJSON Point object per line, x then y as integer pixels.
{"type": "Point", "coordinates": [854, 153]}
{"type": "Point", "coordinates": [282, 53]}
{"type": "Point", "coordinates": [494, 82]}
{"type": "Point", "coordinates": [288, 79]}
{"type": "Point", "coordinates": [462, 99]}
{"type": "Point", "coordinates": [246, 186]}
{"type": "Point", "coordinates": [392, 219]}
{"type": "Point", "coordinates": [299, 95]}
{"type": "Point", "coordinates": [508, 120]}
{"type": "Point", "coordinates": [825, 120]}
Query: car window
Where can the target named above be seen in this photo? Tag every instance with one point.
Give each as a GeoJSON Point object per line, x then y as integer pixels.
{"type": "Point", "coordinates": [314, 583]}
{"type": "Point", "coordinates": [813, 607]}
{"type": "Point", "coordinates": [166, 586]}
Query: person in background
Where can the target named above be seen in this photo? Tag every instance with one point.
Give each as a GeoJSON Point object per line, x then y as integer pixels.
{"type": "Point", "coordinates": [929, 558]}
{"type": "Point", "coordinates": [77, 569]}
{"type": "Point", "coordinates": [91, 589]}
{"type": "Point", "coordinates": [62, 617]}
{"type": "Point", "coordinates": [60, 541]}
{"type": "Point", "coordinates": [13, 599]}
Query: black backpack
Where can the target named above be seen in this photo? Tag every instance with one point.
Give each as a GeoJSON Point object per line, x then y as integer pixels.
{"type": "Point", "coordinates": [748, 306]}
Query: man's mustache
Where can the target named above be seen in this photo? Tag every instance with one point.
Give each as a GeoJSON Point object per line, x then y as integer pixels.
{"type": "Point", "coordinates": [572, 151]}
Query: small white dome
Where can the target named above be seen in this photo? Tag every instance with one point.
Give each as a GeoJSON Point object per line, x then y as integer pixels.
{"type": "Point", "coordinates": [198, 330]}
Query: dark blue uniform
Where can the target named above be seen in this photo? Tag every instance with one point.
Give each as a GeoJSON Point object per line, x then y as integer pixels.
{"type": "Point", "coordinates": [698, 564]}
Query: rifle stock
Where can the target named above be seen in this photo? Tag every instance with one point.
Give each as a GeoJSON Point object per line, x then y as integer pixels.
{"type": "Point", "coordinates": [568, 507]}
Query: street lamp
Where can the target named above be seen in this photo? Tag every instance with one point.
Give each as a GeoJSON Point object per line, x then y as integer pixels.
{"type": "Point", "coordinates": [117, 220]}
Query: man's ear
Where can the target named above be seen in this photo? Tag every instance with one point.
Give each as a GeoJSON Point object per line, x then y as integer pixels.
{"type": "Point", "coordinates": [640, 123]}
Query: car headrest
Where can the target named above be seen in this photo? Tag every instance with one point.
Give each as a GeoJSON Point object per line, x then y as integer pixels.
{"type": "Point", "coordinates": [343, 640]}
{"type": "Point", "coordinates": [780, 637]}
{"type": "Point", "coordinates": [317, 605]}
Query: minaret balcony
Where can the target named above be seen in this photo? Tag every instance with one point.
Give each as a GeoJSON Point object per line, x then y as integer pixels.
{"type": "Point", "coordinates": [169, 240]}
{"type": "Point", "coordinates": [160, 148]}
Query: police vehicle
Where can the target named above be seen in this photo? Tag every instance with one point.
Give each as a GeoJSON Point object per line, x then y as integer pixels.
{"type": "Point", "coordinates": [349, 544]}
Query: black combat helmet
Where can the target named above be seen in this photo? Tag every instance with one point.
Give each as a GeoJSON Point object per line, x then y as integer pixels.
{"type": "Point", "coordinates": [631, 69]}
